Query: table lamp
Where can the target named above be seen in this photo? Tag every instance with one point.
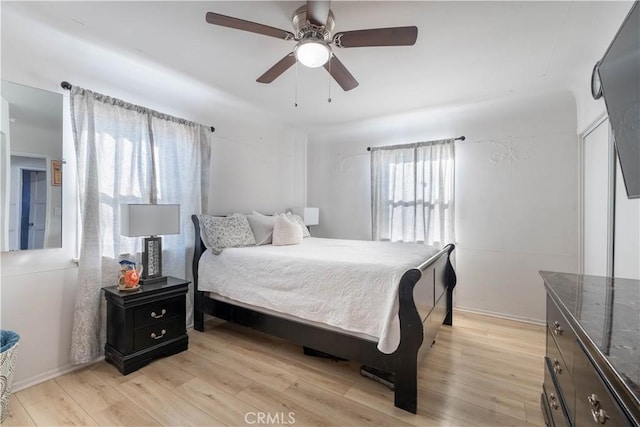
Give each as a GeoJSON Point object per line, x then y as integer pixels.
{"type": "Point", "coordinates": [310, 216]}
{"type": "Point", "coordinates": [137, 220]}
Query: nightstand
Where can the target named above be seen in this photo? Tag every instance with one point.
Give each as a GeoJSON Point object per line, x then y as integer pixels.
{"type": "Point", "coordinates": [146, 323]}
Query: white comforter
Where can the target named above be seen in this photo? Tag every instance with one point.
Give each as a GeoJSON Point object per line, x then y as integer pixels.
{"type": "Point", "coordinates": [349, 284]}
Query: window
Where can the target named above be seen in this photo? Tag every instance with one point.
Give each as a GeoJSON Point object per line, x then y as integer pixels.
{"type": "Point", "coordinates": [413, 193]}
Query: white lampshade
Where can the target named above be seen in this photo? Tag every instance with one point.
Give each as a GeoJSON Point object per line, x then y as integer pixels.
{"type": "Point", "coordinates": [149, 220]}
{"type": "Point", "coordinates": [310, 216]}
{"type": "Point", "coordinates": [312, 53]}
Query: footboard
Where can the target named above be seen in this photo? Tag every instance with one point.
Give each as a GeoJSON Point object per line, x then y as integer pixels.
{"type": "Point", "coordinates": [425, 303]}
{"type": "Point", "coordinates": [199, 248]}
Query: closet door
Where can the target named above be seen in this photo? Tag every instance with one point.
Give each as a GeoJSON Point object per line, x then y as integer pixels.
{"type": "Point", "coordinates": [626, 250]}
{"type": "Point", "coordinates": [597, 196]}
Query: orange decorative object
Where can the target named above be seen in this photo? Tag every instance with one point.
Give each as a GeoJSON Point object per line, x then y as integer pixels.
{"type": "Point", "coordinates": [131, 278]}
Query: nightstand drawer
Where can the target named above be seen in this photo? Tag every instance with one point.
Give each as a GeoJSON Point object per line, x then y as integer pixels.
{"type": "Point", "coordinates": [158, 312]}
{"type": "Point", "coordinates": [157, 334]}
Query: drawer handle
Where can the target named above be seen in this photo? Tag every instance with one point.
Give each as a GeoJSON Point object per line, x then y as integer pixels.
{"type": "Point", "coordinates": [553, 401]}
{"type": "Point", "coordinates": [594, 401]}
{"type": "Point", "coordinates": [556, 367]}
{"type": "Point", "coordinates": [557, 329]}
{"type": "Point", "coordinates": [162, 313]}
{"type": "Point", "coordinates": [157, 337]}
{"type": "Point", "coordinates": [599, 416]}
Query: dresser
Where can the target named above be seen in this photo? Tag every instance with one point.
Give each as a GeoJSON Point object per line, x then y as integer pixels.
{"type": "Point", "coordinates": [592, 363]}
{"type": "Point", "coordinates": [145, 323]}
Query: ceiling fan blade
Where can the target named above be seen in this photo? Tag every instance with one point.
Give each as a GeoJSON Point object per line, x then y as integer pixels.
{"type": "Point", "coordinates": [318, 12]}
{"type": "Point", "coordinates": [280, 67]}
{"type": "Point", "coordinates": [252, 27]}
{"type": "Point", "coordinates": [395, 36]}
{"type": "Point", "coordinates": [340, 74]}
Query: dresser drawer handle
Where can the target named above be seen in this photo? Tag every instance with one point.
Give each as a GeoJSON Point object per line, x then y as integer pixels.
{"type": "Point", "coordinates": [599, 416]}
{"type": "Point", "coordinates": [557, 329]}
{"type": "Point", "coordinates": [157, 337]}
{"type": "Point", "coordinates": [162, 313]}
{"type": "Point", "coordinates": [553, 401]}
{"type": "Point", "coordinates": [556, 367]}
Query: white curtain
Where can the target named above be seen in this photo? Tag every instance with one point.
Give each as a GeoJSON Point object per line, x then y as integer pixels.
{"type": "Point", "coordinates": [129, 154]}
{"type": "Point", "coordinates": [412, 192]}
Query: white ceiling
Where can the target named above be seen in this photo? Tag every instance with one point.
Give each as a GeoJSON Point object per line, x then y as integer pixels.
{"type": "Point", "coordinates": [465, 52]}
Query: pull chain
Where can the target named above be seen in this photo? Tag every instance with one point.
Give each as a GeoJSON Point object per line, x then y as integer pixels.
{"type": "Point", "coordinates": [329, 99]}
{"type": "Point", "coordinates": [295, 103]}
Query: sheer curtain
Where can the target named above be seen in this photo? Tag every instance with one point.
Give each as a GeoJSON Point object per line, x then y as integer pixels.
{"type": "Point", "coordinates": [412, 192]}
{"type": "Point", "coordinates": [129, 154]}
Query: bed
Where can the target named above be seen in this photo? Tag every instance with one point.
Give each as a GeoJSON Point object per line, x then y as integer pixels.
{"type": "Point", "coordinates": [408, 315]}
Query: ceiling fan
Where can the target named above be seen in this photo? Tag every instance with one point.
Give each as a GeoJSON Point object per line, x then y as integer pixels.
{"type": "Point", "coordinates": [313, 26]}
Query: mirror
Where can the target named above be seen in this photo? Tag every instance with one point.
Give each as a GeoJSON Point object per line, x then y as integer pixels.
{"type": "Point", "coordinates": [31, 168]}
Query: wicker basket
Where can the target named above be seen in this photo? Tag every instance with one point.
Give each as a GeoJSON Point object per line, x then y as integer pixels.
{"type": "Point", "coordinates": [8, 354]}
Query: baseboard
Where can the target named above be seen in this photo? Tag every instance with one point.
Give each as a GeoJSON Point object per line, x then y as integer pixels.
{"type": "Point", "coordinates": [54, 373]}
{"type": "Point", "coordinates": [537, 322]}
{"type": "Point", "coordinates": [46, 376]}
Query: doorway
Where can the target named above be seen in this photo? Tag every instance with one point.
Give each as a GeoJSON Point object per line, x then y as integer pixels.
{"type": "Point", "coordinates": [28, 203]}
{"type": "Point", "coordinates": [33, 209]}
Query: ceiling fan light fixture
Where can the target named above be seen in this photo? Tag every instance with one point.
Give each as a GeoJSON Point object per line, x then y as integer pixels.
{"type": "Point", "coordinates": [312, 53]}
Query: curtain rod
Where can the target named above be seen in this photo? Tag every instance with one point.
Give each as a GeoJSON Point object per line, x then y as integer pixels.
{"type": "Point", "coordinates": [67, 86]}
{"type": "Point", "coordinates": [460, 138]}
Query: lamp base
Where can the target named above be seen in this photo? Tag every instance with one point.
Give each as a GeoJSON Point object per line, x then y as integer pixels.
{"type": "Point", "coordinates": [151, 280]}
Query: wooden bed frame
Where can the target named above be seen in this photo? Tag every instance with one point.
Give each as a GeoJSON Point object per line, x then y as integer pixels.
{"type": "Point", "coordinates": [426, 302]}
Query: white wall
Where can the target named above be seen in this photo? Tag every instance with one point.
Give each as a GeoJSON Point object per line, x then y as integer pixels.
{"type": "Point", "coordinates": [516, 192]}
{"type": "Point", "coordinates": [37, 289]}
{"type": "Point", "coordinates": [252, 156]}
{"type": "Point", "coordinates": [257, 171]}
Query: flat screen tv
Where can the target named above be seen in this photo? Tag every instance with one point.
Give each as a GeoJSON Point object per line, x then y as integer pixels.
{"type": "Point", "coordinates": [619, 83]}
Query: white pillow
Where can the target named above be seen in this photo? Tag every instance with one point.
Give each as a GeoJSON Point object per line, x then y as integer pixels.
{"type": "Point", "coordinates": [221, 232]}
{"type": "Point", "coordinates": [286, 231]}
{"type": "Point", "coordinates": [298, 219]}
{"type": "Point", "coordinates": [262, 227]}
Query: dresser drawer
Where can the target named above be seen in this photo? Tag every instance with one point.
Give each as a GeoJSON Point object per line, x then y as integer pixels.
{"type": "Point", "coordinates": [561, 374]}
{"type": "Point", "coordinates": [561, 332]}
{"type": "Point", "coordinates": [554, 398]}
{"type": "Point", "coordinates": [149, 336]}
{"type": "Point", "coordinates": [159, 311]}
{"type": "Point", "coordinates": [594, 402]}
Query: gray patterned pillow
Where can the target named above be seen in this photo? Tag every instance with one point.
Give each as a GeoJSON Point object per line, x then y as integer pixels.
{"type": "Point", "coordinates": [219, 232]}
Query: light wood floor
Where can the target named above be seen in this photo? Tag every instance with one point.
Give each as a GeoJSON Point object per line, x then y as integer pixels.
{"type": "Point", "coordinates": [482, 371]}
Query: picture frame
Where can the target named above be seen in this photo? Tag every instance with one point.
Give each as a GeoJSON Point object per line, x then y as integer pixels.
{"type": "Point", "coordinates": [56, 173]}
{"type": "Point", "coordinates": [152, 258]}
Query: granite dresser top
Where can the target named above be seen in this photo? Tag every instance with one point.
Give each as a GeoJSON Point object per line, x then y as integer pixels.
{"type": "Point", "coordinates": [608, 311]}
